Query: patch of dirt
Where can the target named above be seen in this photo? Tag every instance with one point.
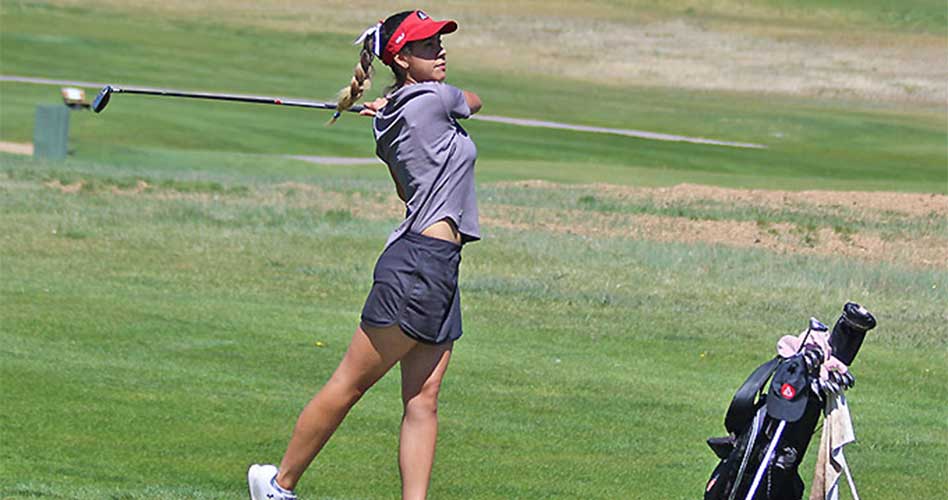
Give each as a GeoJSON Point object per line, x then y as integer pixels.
{"type": "Point", "coordinates": [781, 237]}
{"type": "Point", "coordinates": [75, 187]}
{"type": "Point", "coordinates": [784, 238]}
{"type": "Point", "coordinates": [139, 188]}
{"type": "Point", "coordinates": [914, 204]}
{"type": "Point", "coordinates": [17, 148]}
{"type": "Point", "coordinates": [859, 202]}
{"type": "Point", "coordinates": [922, 249]}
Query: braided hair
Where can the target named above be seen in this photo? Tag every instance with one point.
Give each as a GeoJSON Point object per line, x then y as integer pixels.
{"type": "Point", "coordinates": [373, 42]}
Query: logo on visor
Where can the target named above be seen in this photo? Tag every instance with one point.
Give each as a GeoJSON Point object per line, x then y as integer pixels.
{"type": "Point", "coordinates": [787, 391]}
{"type": "Point", "coordinates": [401, 36]}
{"type": "Point", "coordinates": [422, 15]}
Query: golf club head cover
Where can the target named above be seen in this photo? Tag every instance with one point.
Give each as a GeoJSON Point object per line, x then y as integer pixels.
{"type": "Point", "coordinates": [849, 332]}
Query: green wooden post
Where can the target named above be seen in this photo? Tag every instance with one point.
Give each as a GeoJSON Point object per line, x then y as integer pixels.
{"type": "Point", "coordinates": [51, 132]}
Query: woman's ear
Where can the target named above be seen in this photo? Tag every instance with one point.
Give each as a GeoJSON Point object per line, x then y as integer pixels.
{"type": "Point", "coordinates": [401, 59]}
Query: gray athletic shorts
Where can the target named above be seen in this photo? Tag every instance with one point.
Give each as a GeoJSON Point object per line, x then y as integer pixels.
{"type": "Point", "coordinates": [415, 286]}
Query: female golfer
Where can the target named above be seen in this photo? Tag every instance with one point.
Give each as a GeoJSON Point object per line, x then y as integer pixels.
{"type": "Point", "coordinates": [412, 315]}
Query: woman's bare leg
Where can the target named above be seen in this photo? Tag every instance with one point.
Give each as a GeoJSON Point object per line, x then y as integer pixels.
{"type": "Point", "coordinates": [423, 369]}
{"type": "Point", "coordinates": [371, 354]}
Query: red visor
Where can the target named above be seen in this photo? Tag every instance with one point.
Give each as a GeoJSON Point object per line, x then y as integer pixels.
{"type": "Point", "coordinates": [417, 26]}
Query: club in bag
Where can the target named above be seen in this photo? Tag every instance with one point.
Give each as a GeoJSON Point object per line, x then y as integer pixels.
{"type": "Point", "coordinates": [766, 461]}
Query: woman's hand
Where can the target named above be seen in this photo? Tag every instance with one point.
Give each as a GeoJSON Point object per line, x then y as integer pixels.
{"type": "Point", "coordinates": [473, 101]}
{"type": "Point", "coordinates": [371, 108]}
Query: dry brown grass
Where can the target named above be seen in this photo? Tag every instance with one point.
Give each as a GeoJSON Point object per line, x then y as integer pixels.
{"type": "Point", "coordinates": [920, 249]}
{"type": "Point", "coordinates": [867, 205]}
{"type": "Point", "coordinates": [783, 238]}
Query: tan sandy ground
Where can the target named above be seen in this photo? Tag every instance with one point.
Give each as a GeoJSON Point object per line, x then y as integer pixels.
{"type": "Point", "coordinates": [782, 238]}
{"type": "Point", "coordinates": [19, 148]}
{"type": "Point", "coordinates": [867, 204]}
{"type": "Point", "coordinates": [924, 249]}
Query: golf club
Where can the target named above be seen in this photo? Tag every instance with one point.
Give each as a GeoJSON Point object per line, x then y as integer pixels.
{"type": "Point", "coordinates": [814, 325]}
{"type": "Point", "coordinates": [768, 456]}
{"type": "Point", "coordinates": [816, 389]}
{"type": "Point", "coordinates": [755, 428]}
{"type": "Point", "coordinates": [102, 99]}
{"type": "Point", "coordinates": [849, 332]}
{"type": "Point", "coordinates": [813, 357]}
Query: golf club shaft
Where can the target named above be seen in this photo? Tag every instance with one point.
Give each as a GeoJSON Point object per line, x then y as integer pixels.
{"type": "Point", "coordinates": [226, 97]}
{"type": "Point", "coordinates": [752, 439]}
{"type": "Point", "coordinates": [766, 461]}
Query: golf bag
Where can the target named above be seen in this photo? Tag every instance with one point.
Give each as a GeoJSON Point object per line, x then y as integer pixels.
{"type": "Point", "coordinates": [770, 425]}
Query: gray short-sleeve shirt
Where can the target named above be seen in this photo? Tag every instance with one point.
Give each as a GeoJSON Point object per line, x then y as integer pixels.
{"type": "Point", "coordinates": [432, 158]}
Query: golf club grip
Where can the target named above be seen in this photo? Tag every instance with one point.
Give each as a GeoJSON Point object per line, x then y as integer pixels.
{"type": "Point", "coordinates": [231, 97]}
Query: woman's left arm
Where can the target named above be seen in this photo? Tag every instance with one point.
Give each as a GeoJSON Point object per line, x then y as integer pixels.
{"type": "Point", "coordinates": [473, 101]}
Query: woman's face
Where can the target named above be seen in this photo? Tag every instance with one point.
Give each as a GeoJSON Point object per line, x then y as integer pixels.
{"type": "Point", "coordinates": [424, 60]}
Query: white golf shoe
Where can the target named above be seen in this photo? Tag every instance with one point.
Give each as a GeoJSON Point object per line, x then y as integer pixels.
{"type": "Point", "coordinates": [262, 482]}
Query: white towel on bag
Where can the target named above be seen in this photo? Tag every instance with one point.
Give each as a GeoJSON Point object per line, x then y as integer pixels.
{"type": "Point", "coordinates": [831, 463]}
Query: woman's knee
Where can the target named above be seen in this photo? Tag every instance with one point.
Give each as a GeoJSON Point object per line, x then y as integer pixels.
{"type": "Point", "coordinates": [425, 402]}
{"type": "Point", "coordinates": [367, 360]}
{"type": "Point", "coordinates": [347, 390]}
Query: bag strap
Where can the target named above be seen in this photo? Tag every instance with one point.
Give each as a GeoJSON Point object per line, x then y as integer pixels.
{"type": "Point", "coordinates": [741, 410]}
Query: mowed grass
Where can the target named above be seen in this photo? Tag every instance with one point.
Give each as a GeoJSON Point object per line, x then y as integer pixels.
{"type": "Point", "coordinates": [845, 145]}
{"type": "Point", "coordinates": [154, 344]}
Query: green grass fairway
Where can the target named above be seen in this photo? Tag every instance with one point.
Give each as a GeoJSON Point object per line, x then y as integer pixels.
{"type": "Point", "coordinates": [174, 292]}
{"type": "Point", "coordinates": [812, 143]}
{"type": "Point", "coordinates": [154, 344]}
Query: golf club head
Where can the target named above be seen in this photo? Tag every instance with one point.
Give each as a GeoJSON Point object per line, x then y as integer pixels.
{"type": "Point", "coordinates": [102, 99]}
{"type": "Point", "coordinates": [816, 388]}
{"type": "Point", "coordinates": [813, 357]}
{"type": "Point", "coordinates": [817, 325]}
{"type": "Point", "coordinates": [834, 387]}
